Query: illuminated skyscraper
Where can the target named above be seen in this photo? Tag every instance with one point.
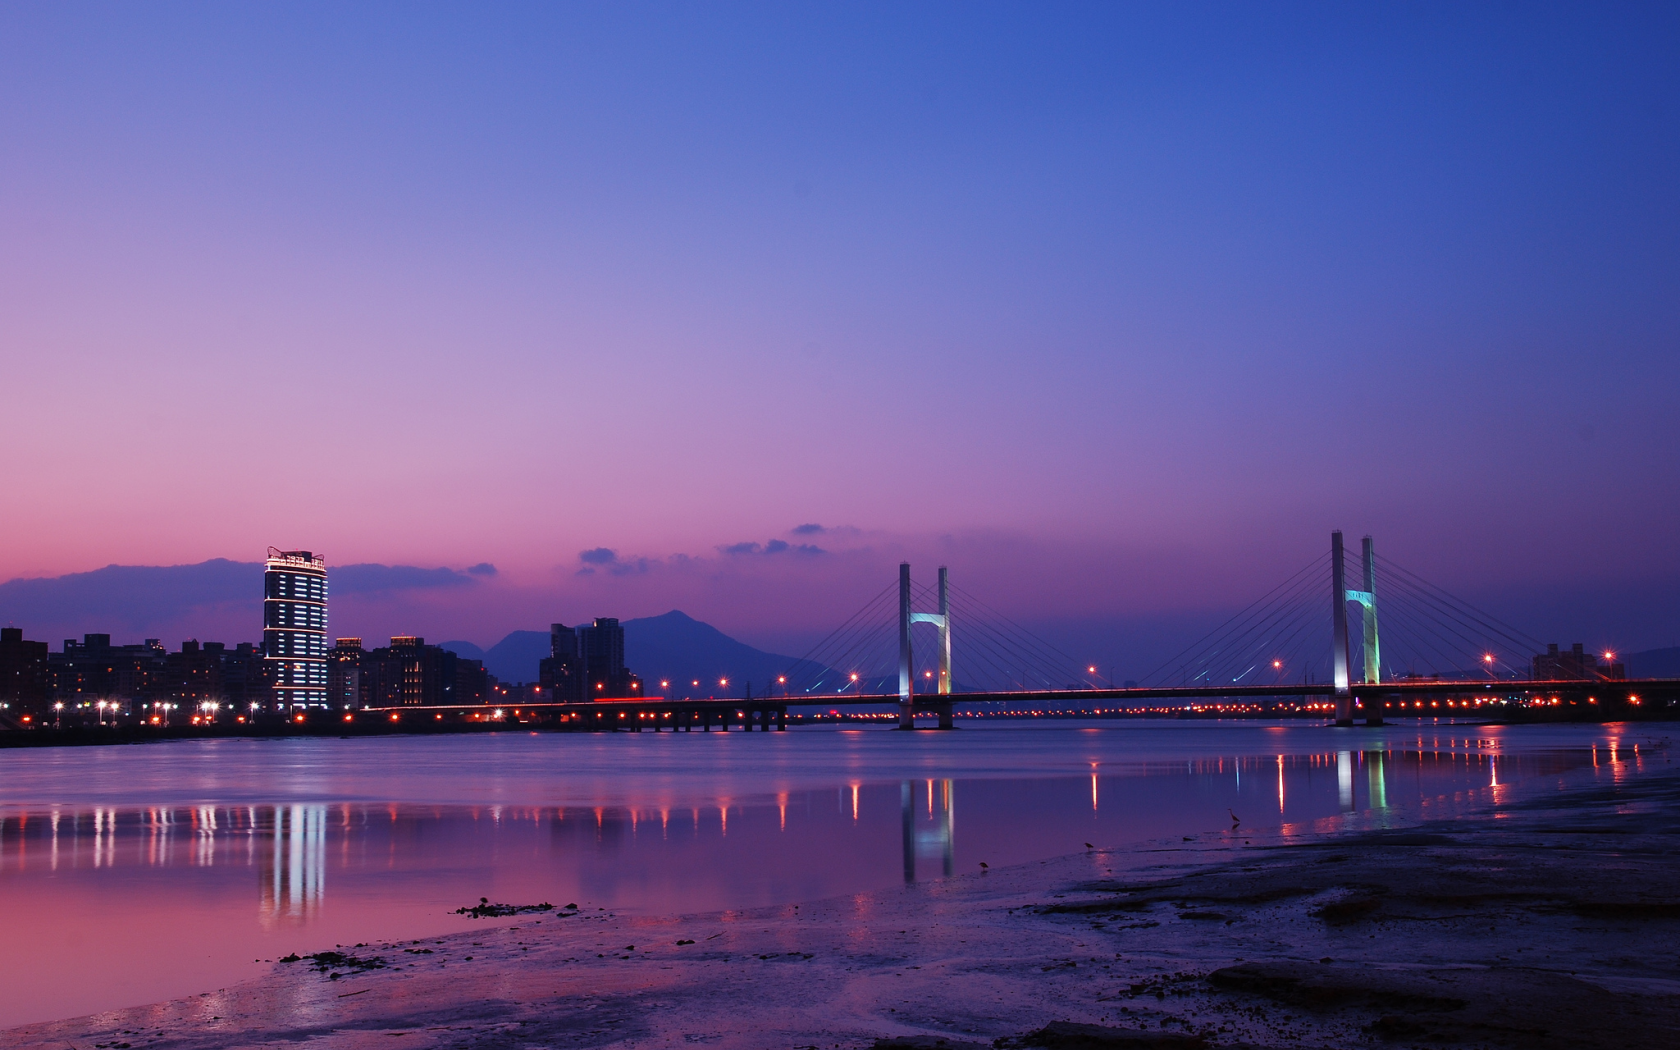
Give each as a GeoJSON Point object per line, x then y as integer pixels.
{"type": "Point", "coordinates": [295, 627]}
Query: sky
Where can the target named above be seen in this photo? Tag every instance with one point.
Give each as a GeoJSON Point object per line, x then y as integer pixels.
{"type": "Point", "coordinates": [1118, 309]}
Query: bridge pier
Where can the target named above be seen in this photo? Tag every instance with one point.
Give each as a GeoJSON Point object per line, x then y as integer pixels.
{"type": "Point", "coordinates": [906, 682]}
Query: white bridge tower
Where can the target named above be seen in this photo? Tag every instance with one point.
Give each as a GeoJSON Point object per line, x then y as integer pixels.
{"type": "Point", "coordinates": [906, 670]}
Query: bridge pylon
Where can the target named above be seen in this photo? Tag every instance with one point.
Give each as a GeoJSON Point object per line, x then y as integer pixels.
{"type": "Point", "coordinates": [1341, 657]}
{"type": "Point", "coordinates": [906, 672]}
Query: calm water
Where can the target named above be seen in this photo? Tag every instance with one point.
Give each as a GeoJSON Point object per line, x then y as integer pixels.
{"type": "Point", "coordinates": [134, 874]}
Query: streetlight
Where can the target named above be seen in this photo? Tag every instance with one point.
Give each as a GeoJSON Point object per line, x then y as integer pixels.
{"type": "Point", "coordinates": [1487, 661]}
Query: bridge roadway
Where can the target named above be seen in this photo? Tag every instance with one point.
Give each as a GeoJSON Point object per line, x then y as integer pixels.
{"type": "Point", "coordinates": [764, 713]}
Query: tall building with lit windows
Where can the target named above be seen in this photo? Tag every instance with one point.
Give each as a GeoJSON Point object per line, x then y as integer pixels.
{"type": "Point", "coordinates": [295, 627]}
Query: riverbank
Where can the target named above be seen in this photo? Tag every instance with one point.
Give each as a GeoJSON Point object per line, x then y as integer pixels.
{"type": "Point", "coordinates": [85, 736]}
{"type": "Point", "coordinates": [1545, 924]}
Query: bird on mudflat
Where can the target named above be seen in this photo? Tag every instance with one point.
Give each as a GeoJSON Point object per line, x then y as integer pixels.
{"type": "Point", "coordinates": [1235, 820]}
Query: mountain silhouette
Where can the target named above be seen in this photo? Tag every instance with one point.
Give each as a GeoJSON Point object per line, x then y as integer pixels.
{"type": "Point", "coordinates": [674, 647]}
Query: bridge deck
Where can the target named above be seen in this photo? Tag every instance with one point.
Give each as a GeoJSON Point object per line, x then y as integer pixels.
{"type": "Point", "coordinates": [1635, 690]}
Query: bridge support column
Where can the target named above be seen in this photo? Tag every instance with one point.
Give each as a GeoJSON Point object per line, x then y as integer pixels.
{"type": "Point", "coordinates": [906, 684]}
{"type": "Point", "coordinates": [781, 720]}
{"type": "Point", "coordinates": [945, 639]}
{"type": "Point", "coordinates": [1368, 609]}
{"type": "Point", "coordinates": [1339, 632]}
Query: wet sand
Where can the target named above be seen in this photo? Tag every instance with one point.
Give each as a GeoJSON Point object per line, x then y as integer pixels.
{"type": "Point", "coordinates": [1554, 923]}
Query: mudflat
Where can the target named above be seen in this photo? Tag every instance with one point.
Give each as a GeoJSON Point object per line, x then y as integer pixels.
{"type": "Point", "coordinates": [1550, 923]}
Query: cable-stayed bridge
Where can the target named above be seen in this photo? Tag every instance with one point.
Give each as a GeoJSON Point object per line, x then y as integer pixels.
{"type": "Point", "coordinates": [1315, 638]}
{"type": "Point", "coordinates": [928, 647]}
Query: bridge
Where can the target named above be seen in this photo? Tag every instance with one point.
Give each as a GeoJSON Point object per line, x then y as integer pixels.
{"type": "Point", "coordinates": [1436, 654]}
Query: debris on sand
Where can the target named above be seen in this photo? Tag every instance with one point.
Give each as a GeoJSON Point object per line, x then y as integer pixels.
{"type": "Point", "coordinates": [322, 962]}
{"type": "Point", "coordinates": [485, 910]}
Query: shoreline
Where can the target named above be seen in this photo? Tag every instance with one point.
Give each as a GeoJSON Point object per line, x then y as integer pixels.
{"type": "Point", "coordinates": [1545, 923]}
{"type": "Point", "coordinates": [89, 736]}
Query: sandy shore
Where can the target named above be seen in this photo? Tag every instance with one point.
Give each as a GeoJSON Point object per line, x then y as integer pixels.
{"type": "Point", "coordinates": [1554, 924]}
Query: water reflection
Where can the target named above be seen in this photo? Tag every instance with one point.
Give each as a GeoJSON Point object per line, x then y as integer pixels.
{"type": "Point", "coordinates": [223, 884]}
{"type": "Point", "coordinates": [937, 836]}
{"type": "Point", "coordinates": [293, 875]}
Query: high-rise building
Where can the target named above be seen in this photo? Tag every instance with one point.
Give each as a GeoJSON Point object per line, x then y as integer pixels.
{"type": "Point", "coordinates": [410, 673]}
{"type": "Point", "coordinates": [23, 674]}
{"type": "Point", "coordinates": [559, 676]}
{"type": "Point", "coordinates": [600, 648]}
{"type": "Point", "coordinates": [93, 669]}
{"type": "Point", "coordinates": [1574, 665]}
{"type": "Point", "coordinates": [295, 627]}
{"type": "Point", "coordinates": [344, 674]}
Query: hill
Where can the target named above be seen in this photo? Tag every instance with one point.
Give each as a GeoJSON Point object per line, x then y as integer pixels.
{"type": "Point", "coordinates": [674, 647]}
{"type": "Point", "coordinates": [1653, 663]}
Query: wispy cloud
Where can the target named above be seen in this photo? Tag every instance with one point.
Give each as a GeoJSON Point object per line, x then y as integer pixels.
{"type": "Point", "coordinates": [607, 559]}
{"type": "Point", "coordinates": [773, 547]}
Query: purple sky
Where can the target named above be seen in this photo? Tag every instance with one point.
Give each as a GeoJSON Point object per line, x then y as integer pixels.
{"type": "Point", "coordinates": [1117, 309]}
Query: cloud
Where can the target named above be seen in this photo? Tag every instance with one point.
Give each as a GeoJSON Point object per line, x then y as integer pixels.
{"type": "Point", "coordinates": [809, 529]}
{"type": "Point", "coordinates": [483, 568]}
{"type": "Point", "coordinates": [144, 599]}
{"type": "Point", "coordinates": [608, 559]}
{"type": "Point", "coordinates": [129, 596]}
{"type": "Point", "coordinates": [736, 550]}
{"type": "Point", "coordinates": [372, 578]}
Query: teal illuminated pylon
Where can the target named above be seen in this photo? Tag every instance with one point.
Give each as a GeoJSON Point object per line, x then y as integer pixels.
{"type": "Point", "coordinates": [1341, 594]}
